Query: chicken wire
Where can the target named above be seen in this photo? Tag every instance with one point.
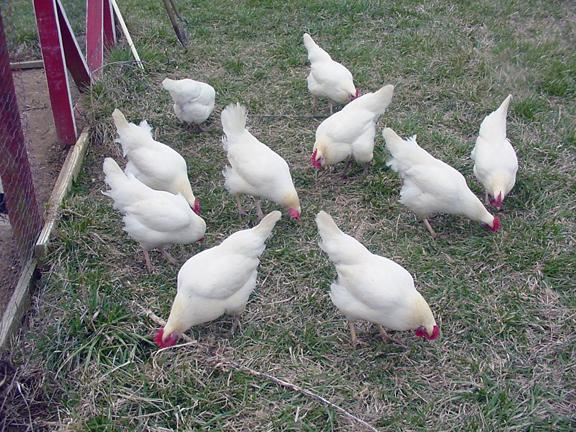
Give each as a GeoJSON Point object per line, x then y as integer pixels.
{"type": "Point", "coordinates": [20, 219]}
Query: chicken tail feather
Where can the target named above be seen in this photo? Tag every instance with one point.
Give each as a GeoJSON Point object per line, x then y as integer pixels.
{"type": "Point", "coordinates": [315, 53]}
{"type": "Point", "coordinates": [394, 142]}
{"type": "Point", "coordinates": [119, 119]}
{"type": "Point", "coordinates": [113, 173]}
{"type": "Point", "coordinates": [326, 225]}
{"type": "Point", "coordinates": [234, 119]}
{"type": "Point", "coordinates": [168, 84]}
{"type": "Point", "coordinates": [267, 224]}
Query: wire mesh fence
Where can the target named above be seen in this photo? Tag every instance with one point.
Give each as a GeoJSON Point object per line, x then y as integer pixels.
{"type": "Point", "coordinates": [21, 218]}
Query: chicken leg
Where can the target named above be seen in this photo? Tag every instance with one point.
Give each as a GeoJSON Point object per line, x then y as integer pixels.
{"type": "Point", "coordinates": [353, 332]}
{"type": "Point", "coordinates": [241, 211]}
{"type": "Point", "coordinates": [355, 341]}
{"type": "Point", "coordinates": [259, 210]}
{"type": "Point", "coordinates": [236, 324]}
{"type": "Point", "coordinates": [429, 228]}
{"type": "Point", "coordinates": [486, 198]}
{"type": "Point", "coordinates": [314, 103]}
{"type": "Point", "coordinates": [149, 266]}
{"type": "Point", "coordinates": [366, 168]}
{"type": "Point", "coordinates": [347, 168]}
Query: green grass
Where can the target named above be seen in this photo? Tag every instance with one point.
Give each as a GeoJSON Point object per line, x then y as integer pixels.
{"type": "Point", "coordinates": [505, 301]}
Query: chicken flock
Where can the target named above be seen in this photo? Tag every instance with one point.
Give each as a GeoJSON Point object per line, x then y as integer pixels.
{"type": "Point", "coordinates": [159, 208]}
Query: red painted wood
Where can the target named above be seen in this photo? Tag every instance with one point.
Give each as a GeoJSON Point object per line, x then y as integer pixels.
{"type": "Point", "coordinates": [72, 53]}
{"type": "Point", "coordinates": [19, 194]}
{"type": "Point", "coordinates": [95, 34]}
{"type": "Point", "coordinates": [109, 26]}
{"type": "Point", "coordinates": [54, 66]}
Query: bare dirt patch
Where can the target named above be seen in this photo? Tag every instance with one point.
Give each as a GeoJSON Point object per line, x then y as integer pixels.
{"type": "Point", "coordinates": [46, 156]}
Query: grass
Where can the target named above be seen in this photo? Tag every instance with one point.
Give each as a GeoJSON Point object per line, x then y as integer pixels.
{"type": "Point", "coordinates": [505, 302]}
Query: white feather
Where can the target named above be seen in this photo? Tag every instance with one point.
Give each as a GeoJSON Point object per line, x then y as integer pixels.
{"type": "Point", "coordinates": [254, 169]}
{"type": "Point", "coordinates": [219, 280]}
{"type": "Point", "coordinates": [429, 185]}
{"type": "Point", "coordinates": [193, 100]}
{"type": "Point", "coordinates": [351, 131]}
{"type": "Point", "coordinates": [496, 163]}
{"type": "Point", "coordinates": [327, 77]}
{"type": "Point", "coordinates": [152, 218]}
{"type": "Point", "coordinates": [153, 163]}
{"type": "Point", "coordinates": [370, 287]}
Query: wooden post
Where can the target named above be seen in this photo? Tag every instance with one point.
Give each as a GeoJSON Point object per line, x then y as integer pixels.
{"type": "Point", "coordinates": [95, 34]}
{"type": "Point", "coordinates": [75, 61]}
{"type": "Point", "coordinates": [19, 192]}
{"type": "Point", "coordinates": [55, 67]}
{"type": "Point", "coordinates": [109, 26]}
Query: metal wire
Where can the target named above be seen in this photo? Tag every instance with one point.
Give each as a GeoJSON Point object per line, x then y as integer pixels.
{"type": "Point", "coordinates": [19, 231]}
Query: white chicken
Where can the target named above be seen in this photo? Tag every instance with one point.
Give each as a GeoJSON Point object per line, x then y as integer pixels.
{"type": "Point", "coordinates": [153, 163]}
{"type": "Point", "coordinates": [217, 281]}
{"type": "Point", "coordinates": [495, 160]}
{"type": "Point", "coordinates": [328, 78]}
{"type": "Point", "coordinates": [153, 218]}
{"type": "Point", "coordinates": [255, 169]}
{"type": "Point", "coordinates": [193, 100]}
{"type": "Point", "coordinates": [373, 288]}
{"type": "Point", "coordinates": [432, 186]}
{"type": "Point", "coordinates": [349, 134]}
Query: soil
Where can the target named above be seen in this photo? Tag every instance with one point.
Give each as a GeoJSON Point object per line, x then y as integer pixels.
{"type": "Point", "coordinates": [46, 156]}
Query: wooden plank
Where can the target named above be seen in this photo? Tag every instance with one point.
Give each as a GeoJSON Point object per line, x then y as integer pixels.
{"type": "Point", "coordinates": [18, 304]}
{"type": "Point", "coordinates": [55, 67]}
{"type": "Point", "coordinates": [75, 61]}
{"type": "Point", "coordinates": [32, 64]}
{"type": "Point", "coordinates": [67, 175]}
{"type": "Point", "coordinates": [95, 35]}
{"type": "Point", "coordinates": [120, 20]}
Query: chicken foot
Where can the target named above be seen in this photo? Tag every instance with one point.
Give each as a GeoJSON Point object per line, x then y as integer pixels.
{"type": "Point", "coordinates": [387, 338]}
{"type": "Point", "coordinates": [168, 257]}
{"type": "Point", "coordinates": [203, 127]}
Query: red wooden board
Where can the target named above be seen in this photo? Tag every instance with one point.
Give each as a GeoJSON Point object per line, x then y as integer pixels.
{"type": "Point", "coordinates": [54, 65]}
{"type": "Point", "coordinates": [95, 34]}
{"type": "Point", "coordinates": [109, 26]}
{"type": "Point", "coordinates": [72, 53]}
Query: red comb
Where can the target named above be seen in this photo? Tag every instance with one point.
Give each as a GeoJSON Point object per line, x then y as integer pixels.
{"type": "Point", "coordinates": [294, 214]}
{"type": "Point", "coordinates": [497, 202]}
{"type": "Point", "coordinates": [495, 225]}
{"type": "Point", "coordinates": [421, 332]}
{"type": "Point", "coordinates": [435, 333]}
{"type": "Point", "coordinates": [313, 160]}
{"type": "Point", "coordinates": [170, 340]}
